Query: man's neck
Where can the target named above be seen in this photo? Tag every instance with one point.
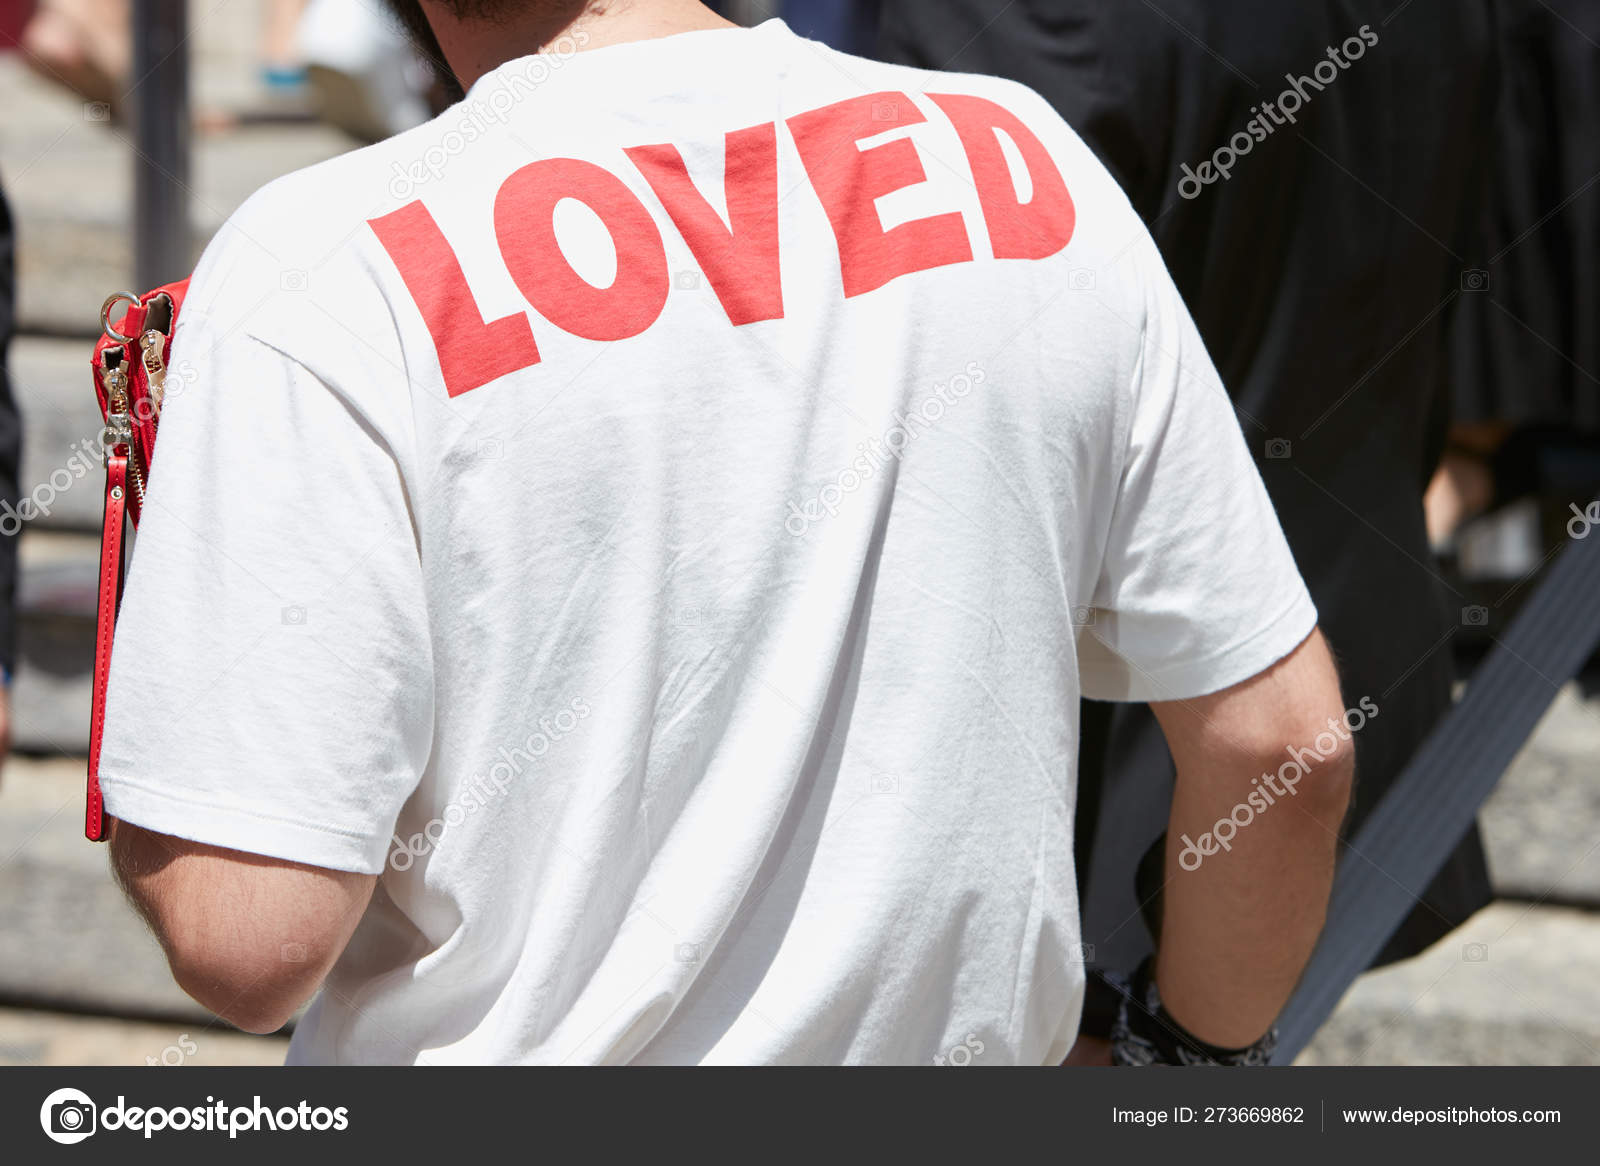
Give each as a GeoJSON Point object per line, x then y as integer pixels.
{"type": "Point", "coordinates": [474, 47]}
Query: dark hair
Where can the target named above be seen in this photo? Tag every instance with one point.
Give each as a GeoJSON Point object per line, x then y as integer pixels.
{"type": "Point", "coordinates": [415, 22]}
{"type": "Point", "coordinates": [410, 16]}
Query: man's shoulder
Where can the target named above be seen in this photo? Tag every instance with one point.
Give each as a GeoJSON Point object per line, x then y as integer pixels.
{"type": "Point", "coordinates": [298, 248]}
{"type": "Point", "coordinates": [865, 75]}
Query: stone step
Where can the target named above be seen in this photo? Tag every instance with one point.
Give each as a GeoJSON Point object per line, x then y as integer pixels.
{"type": "Point", "coordinates": [56, 593]}
{"type": "Point", "coordinates": [72, 941]}
{"type": "Point", "coordinates": [61, 460]}
{"type": "Point", "coordinates": [69, 178]}
{"type": "Point", "coordinates": [1541, 826]}
{"type": "Point", "coordinates": [33, 1037]}
{"type": "Point", "coordinates": [1514, 986]}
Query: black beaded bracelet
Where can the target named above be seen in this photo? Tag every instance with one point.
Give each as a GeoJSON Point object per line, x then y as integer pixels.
{"type": "Point", "coordinates": [1146, 1034]}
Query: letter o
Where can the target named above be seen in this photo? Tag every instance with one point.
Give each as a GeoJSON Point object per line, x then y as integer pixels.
{"type": "Point", "coordinates": [524, 225]}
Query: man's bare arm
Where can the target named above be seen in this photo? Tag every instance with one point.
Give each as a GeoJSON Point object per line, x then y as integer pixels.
{"type": "Point", "coordinates": [251, 938]}
{"type": "Point", "coordinates": [1238, 928]}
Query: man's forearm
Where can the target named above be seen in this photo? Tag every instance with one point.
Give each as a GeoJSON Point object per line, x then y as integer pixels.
{"type": "Point", "coordinates": [1239, 923]}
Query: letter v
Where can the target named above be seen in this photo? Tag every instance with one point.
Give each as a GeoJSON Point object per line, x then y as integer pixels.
{"type": "Point", "coordinates": [739, 257]}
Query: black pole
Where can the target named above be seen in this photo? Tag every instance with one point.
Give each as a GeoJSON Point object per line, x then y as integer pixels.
{"type": "Point", "coordinates": [159, 103]}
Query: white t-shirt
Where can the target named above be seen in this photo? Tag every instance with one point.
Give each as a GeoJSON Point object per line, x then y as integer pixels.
{"type": "Point", "coordinates": [688, 628]}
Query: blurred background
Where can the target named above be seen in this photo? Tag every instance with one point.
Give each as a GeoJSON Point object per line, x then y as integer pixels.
{"type": "Point", "coordinates": [233, 93]}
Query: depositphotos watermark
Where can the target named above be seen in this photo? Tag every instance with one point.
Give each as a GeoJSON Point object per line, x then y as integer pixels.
{"type": "Point", "coordinates": [85, 456]}
{"type": "Point", "coordinates": [480, 790]}
{"type": "Point", "coordinates": [70, 1115]}
{"type": "Point", "coordinates": [1270, 115]}
{"type": "Point", "coordinates": [1272, 786]}
{"type": "Point", "coordinates": [493, 107]}
{"type": "Point", "coordinates": [878, 452]}
{"type": "Point", "coordinates": [1583, 521]}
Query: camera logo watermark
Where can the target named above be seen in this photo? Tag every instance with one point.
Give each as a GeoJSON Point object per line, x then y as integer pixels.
{"type": "Point", "coordinates": [68, 1116]}
{"type": "Point", "coordinates": [1270, 115]}
{"type": "Point", "coordinates": [1271, 787]}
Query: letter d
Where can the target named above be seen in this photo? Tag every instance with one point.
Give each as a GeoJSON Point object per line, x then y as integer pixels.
{"type": "Point", "coordinates": [1188, 849]}
{"type": "Point", "coordinates": [1190, 180]}
{"type": "Point", "coordinates": [796, 515]}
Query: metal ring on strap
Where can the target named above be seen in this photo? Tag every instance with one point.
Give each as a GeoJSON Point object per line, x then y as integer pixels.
{"type": "Point", "coordinates": [105, 314]}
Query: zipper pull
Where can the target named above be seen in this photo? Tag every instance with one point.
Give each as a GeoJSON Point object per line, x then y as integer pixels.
{"type": "Point", "coordinates": [150, 345]}
{"type": "Point", "coordinates": [119, 426]}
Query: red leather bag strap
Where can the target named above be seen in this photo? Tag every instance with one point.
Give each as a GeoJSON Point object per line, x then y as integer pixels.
{"type": "Point", "coordinates": [94, 826]}
{"type": "Point", "coordinates": [142, 355]}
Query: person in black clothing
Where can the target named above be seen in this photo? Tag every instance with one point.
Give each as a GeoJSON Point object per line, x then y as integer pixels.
{"type": "Point", "coordinates": [1526, 351]}
{"type": "Point", "coordinates": [10, 462]}
{"type": "Point", "coordinates": [1308, 171]}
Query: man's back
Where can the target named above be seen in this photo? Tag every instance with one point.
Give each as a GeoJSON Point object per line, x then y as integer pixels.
{"type": "Point", "coordinates": [693, 655]}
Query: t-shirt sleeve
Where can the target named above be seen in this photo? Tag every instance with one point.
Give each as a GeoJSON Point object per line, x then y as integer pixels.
{"type": "Point", "coordinates": [271, 683]}
{"type": "Point", "coordinates": [1197, 589]}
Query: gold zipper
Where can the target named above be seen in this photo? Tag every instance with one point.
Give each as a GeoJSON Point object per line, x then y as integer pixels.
{"type": "Point", "coordinates": [121, 425]}
{"type": "Point", "coordinates": [155, 367]}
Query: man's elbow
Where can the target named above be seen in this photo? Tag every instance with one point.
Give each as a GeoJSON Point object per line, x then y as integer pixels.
{"type": "Point", "coordinates": [223, 946]}
{"type": "Point", "coordinates": [256, 992]}
{"type": "Point", "coordinates": [1283, 735]}
{"type": "Point", "coordinates": [1320, 773]}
